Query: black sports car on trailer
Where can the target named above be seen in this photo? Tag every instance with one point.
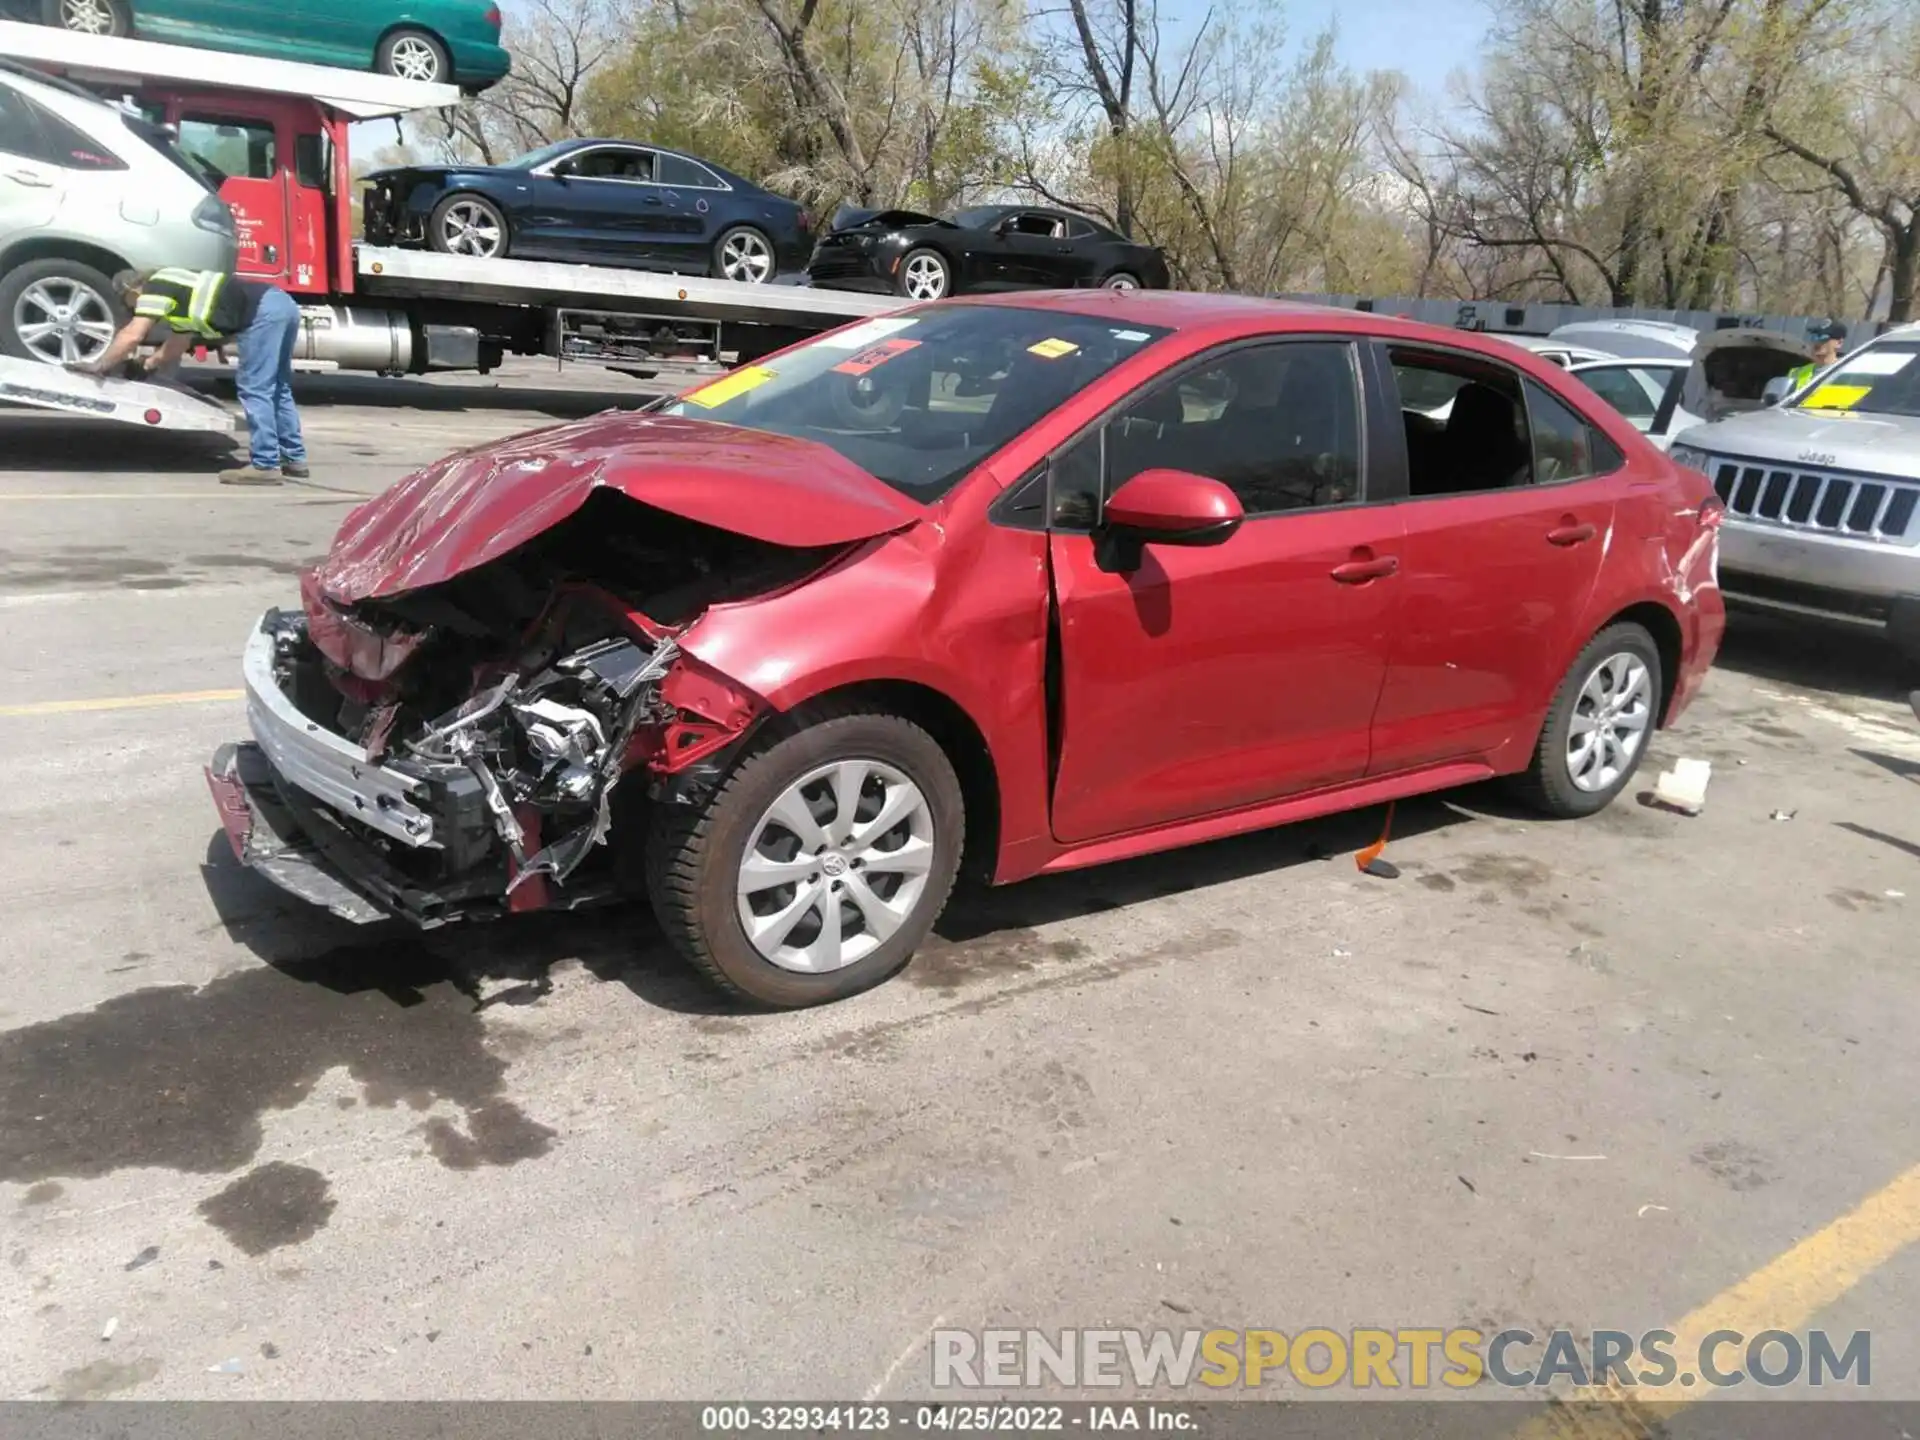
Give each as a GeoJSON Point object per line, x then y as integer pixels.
{"type": "Point", "coordinates": [990, 247]}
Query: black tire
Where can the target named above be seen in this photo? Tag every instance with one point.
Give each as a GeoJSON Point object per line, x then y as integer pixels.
{"type": "Point", "coordinates": [1548, 783]}
{"type": "Point", "coordinates": [412, 49]}
{"type": "Point", "coordinates": [924, 255]}
{"type": "Point", "coordinates": [17, 281]}
{"type": "Point", "coordinates": [119, 22]}
{"type": "Point", "coordinates": [1121, 280]}
{"type": "Point", "coordinates": [694, 856]}
{"type": "Point", "coordinates": [436, 234]}
{"type": "Point", "coordinates": [744, 235]}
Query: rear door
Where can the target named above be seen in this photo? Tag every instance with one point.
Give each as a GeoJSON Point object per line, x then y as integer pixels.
{"type": "Point", "coordinates": [1509, 509]}
{"type": "Point", "coordinates": [31, 183]}
{"type": "Point", "coordinates": [1218, 677]}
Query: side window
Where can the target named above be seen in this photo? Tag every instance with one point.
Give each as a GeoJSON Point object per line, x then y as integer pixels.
{"type": "Point", "coordinates": [1082, 230]}
{"type": "Point", "coordinates": [688, 174]}
{"type": "Point", "coordinates": [1043, 225]}
{"type": "Point", "coordinates": [238, 149]}
{"type": "Point", "coordinates": [1465, 422]}
{"type": "Point", "coordinates": [1565, 447]}
{"type": "Point", "coordinates": [1279, 425]}
{"type": "Point", "coordinates": [614, 165]}
{"type": "Point", "coordinates": [19, 131]}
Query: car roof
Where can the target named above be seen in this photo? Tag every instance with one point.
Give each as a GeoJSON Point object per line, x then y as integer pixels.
{"type": "Point", "coordinates": [1223, 316]}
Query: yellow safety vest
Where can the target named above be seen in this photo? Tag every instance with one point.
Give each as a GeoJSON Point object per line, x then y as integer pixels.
{"type": "Point", "coordinates": [183, 300]}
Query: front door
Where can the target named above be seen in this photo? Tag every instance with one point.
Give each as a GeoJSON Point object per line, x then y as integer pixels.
{"type": "Point", "coordinates": [1220, 677]}
{"type": "Point", "coordinates": [245, 151]}
{"type": "Point", "coordinates": [615, 213]}
{"type": "Point", "coordinates": [1510, 519]}
{"type": "Point", "coordinates": [1037, 253]}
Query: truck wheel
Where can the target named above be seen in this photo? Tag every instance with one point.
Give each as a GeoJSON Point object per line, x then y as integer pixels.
{"type": "Point", "coordinates": [57, 311]}
{"type": "Point", "coordinates": [90, 17]}
{"type": "Point", "coordinates": [468, 225]}
{"type": "Point", "coordinates": [413, 55]}
{"type": "Point", "coordinates": [924, 275]}
{"type": "Point", "coordinates": [745, 254]}
{"type": "Point", "coordinates": [1599, 725]}
{"type": "Point", "coordinates": [819, 864]}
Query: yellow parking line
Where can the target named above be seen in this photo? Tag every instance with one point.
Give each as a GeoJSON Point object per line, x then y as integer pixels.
{"type": "Point", "coordinates": [1782, 1295]}
{"type": "Point", "coordinates": [121, 702]}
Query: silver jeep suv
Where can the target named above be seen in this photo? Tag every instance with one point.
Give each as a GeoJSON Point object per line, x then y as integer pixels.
{"type": "Point", "coordinates": [1823, 493]}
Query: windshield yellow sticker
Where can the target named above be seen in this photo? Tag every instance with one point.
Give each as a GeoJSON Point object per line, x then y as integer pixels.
{"type": "Point", "coordinates": [728, 387]}
{"type": "Point", "coordinates": [1836, 397]}
{"type": "Point", "coordinates": [1052, 349]}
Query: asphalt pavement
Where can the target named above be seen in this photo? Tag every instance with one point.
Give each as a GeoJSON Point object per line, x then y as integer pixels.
{"type": "Point", "coordinates": [1590, 1074]}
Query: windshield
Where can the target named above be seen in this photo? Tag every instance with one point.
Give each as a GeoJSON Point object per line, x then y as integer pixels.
{"type": "Point", "coordinates": [918, 400]}
{"type": "Point", "coordinates": [1879, 380]}
{"type": "Point", "coordinates": [540, 156]}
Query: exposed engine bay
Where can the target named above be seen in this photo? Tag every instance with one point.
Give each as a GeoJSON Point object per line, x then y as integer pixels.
{"type": "Point", "coordinates": [461, 747]}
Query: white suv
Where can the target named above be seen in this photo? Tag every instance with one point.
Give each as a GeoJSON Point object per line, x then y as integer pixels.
{"type": "Point", "coordinates": [87, 189]}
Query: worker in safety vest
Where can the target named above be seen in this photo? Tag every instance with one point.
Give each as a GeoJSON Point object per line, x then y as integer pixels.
{"type": "Point", "coordinates": [211, 307]}
{"type": "Point", "coordinates": [1826, 337]}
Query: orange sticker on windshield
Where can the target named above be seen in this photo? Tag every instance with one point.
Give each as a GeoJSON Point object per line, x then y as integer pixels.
{"type": "Point", "coordinates": [727, 387]}
{"type": "Point", "coordinates": [1052, 349]}
{"type": "Point", "coordinates": [874, 356]}
{"type": "Point", "coordinates": [1836, 397]}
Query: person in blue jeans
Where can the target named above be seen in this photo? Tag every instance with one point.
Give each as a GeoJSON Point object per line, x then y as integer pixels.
{"type": "Point", "coordinates": [210, 307]}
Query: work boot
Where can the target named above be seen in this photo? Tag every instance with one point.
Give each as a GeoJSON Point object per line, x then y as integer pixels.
{"type": "Point", "coordinates": [250, 475]}
{"type": "Point", "coordinates": [295, 469]}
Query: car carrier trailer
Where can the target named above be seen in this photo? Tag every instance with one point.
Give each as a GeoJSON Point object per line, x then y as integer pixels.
{"type": "Point", "coordinates": [395, 311]}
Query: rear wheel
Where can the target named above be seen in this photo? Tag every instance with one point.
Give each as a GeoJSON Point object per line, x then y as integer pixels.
{"type": "Point", "coordinates": [413, 55]}
{"type": "Point", "coordinates": [744, 254]}
{"type": "Point", "coordinates": [468, 225]}
{"type": "Point", "coordinates": [57, 311]}
{"type": "Point", "coordinates": [90, 17]}
{"type": "Point", "coordinates": [1121, 280]}
{"type": "Point", "coordinates": [818, 866]}
{"type": "Point", "coordinates": [1599, 725]}
{"type": "Point", "coordinates": [924, 275]}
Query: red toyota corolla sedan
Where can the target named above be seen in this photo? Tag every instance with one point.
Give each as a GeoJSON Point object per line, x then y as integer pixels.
{"type": "Point", "coordinates": [1031, 584]}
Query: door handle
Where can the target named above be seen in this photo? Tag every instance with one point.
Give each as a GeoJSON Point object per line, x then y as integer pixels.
{"type": "Point", "coordinates": [272, 255]}
{"type": "Point", "coordinates": [31, 178]}
{"type": "Point", "coordinates": [651, 200]}
{"type": "Point", "coordinates": [1567, 533]}
{"type": "Point", "coordinates": [1358, 572]}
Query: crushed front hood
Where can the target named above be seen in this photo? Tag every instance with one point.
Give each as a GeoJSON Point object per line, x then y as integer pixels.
{"type": "Point", "coordinates": [473, 507]}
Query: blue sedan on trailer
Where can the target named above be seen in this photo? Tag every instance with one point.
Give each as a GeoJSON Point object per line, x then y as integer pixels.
{"type": "Point", "coordinates": [594, 202]}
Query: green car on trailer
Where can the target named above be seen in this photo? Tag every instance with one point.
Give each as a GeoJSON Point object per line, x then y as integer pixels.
{"type": "Point", "coordinates": [447, 41]}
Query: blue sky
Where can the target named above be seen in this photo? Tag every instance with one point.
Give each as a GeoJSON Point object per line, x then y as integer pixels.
{"type": "Point", "coordinates": [1423, 39]}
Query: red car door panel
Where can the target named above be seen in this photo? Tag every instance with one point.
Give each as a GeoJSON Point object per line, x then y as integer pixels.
{"type": "Point", "coordinates": [1495, 588]}
{"type": "Point", "coordinates": [1226, 675]}
{"type": "Point", "coordinates": [1220, 677]}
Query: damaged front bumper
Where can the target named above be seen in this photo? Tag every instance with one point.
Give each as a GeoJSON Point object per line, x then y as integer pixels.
{"type": "Point", "coordinates": [449, 824]}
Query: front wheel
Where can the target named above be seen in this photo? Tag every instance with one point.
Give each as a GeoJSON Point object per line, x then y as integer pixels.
{"type": "Point", "coordinates": [413, 55]}
{"type": "Point", "coordinates": [468, 225]}
{"type": "Point", "coordinates": [744, 254]}
{"type": "Point", "coordinates": [90, 17]}
{"type": "Point", "coordinates": [1599, 725]}
{"type": "Point", "coordinates": [818, 866]}
{"type": "Point", "coordinates": [924, 275]}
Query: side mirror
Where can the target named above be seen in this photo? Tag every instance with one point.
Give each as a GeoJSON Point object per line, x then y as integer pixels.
{"type": "Point", "coordinates": [1777, 390]}
{"type": "Point", "coordinates": [1163, 507]}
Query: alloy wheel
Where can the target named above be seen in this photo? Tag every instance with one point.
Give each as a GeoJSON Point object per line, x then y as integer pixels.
{"type": "Point", "coordinates": [470, 228]}
{"type": "Point", "coordinates": [835, 866]}
{"type": "Point", "coordinates": [414, 58]}
{"type": "Point", "coordinates": [62, 321]}
{"type": "Point", "coordinates": [746, 256]}
{"type": "Point", "coordinates": [1122, 282]}
{"type": "Point", "coordinates": [925, 277]}
{"type": "Point", "coordinates": [88, 17]}
{"type": "Point", "coordinates": [1610, 721]}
